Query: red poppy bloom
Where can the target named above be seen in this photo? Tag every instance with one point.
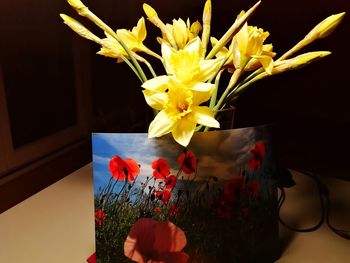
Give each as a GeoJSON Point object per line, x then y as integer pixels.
{"type": "Point", "coordinates": [99, 217]}
{"type": "Point", "coordinates": [164, 195]}
{"type": "Point", "coordinates": [188, 162]}
{"type": "Point", "coordinates": [157, 209]}
{"type": "Point", "coordinates": [123, 169]}
{"type": "Point", "coordinates": [161, 168]}
{"type": "Point", "coordinates": [257, 155]}
{"type": "Point", "coordinates": [151, 241]}
{"type": "Point", "coordinates": [170, 182]}
{"type": "Point", "coordinates": [174, 211]}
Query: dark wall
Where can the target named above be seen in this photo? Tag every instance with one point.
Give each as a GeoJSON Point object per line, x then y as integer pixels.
{"type": "Point", "coordinates": [310, 106]}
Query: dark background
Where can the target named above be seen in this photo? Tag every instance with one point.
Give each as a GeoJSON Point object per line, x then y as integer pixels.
{"type": "Point", "coordinates": [309, 107]}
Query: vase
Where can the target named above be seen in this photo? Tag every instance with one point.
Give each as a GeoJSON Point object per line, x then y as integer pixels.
{"type": "Point", "coordinates": [214, 201]}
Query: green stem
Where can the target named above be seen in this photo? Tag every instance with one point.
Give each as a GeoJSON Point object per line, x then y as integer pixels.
{"type": "Point", "coordinates": [153, 54]}
{"type": "Point", "coordinates": [150, 69]}
{"type": "Point", "coordinates": [233, 81]}
{"type": "Point", "coordinates": [253, 75]}
{"type": "Point", "coordinates": [239, 89]}
{"type": "Point", "coordinates": [131, 66]}
{"type": "Point", "coordinates": [215, 93]}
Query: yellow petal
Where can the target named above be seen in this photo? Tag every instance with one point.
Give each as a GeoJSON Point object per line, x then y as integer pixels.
{"type": "Point", "coordinates": [194, 46]}
{"type": "Point", "coordinates": [242, 38]}
{"type": "Point", "coordinates": [205, 116]}
{"type": "Point", "coordinates": [128, 38]}
{"type": "Point", "coordinates": [109, 53]}
{"type": "Point", "coordinates": [180, 33]}
{"type": "Point", "coordinates": [155, 100]}
{"type": "Point", "coordinates": [208, 68]}
{"type": "Point", "coordinates": [111, 48]}
{"type": "Point", "coordinates": [140, 30]}
{"type": "Point", "coordinates": [184, 130]}
{"type": "Point", "coordinates": [159, 84]}
{"type": "Point", "coordinates": [204, 87]}
{"type": "Point", "coordinates": [167, 52]}
{"type": "Point", "coordinates": [266, 62]}
{"type": "Point", "coordinates": [161, 125]}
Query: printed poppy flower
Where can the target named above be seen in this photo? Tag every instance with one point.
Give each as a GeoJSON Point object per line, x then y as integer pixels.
{"type": "Point", "coordinates": [92, 258]}
{"type": "Point", "coordinates": [170, 182]}
{"type": "Point", "coordinates": [174, 211]}
{"type": "Point", "coordinates": [151, 241]}
{"type": "Point", "coordinates": [223, 208]}
{"type": "Point", "coordinates": [161, 168]}
{"type": "Point", "coordinates": [188, 162]}
{"type": "Point", "coordinates": [254, 187]}
{"type": "Point", "coordinates": [99, 217]}
{"type": "Point", "coordinates": [258, 152]}
{"type": "Point", "coordinates": [164, 195]}
{"type": "Point", "coordinates": [234, 188]}
{"type": "Point", "coordinates": [123, 169]}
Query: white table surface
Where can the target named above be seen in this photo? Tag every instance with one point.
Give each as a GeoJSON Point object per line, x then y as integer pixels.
{"type": "Point", "coordinates": [57, 224]}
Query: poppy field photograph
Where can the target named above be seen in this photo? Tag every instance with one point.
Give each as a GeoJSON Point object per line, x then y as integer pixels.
{"type": "Point", "coordinates": [213, 201]}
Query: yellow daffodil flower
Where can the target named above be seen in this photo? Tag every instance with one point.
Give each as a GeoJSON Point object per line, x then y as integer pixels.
{"type": "Point", "coordinates": [187, 65]}
{"type": "Point", "coordinates": [133, 40]}
{"type": "Point", "coordinates": [248, 49]}
{"type": "Point", "coordinates": [180, 113]}
{"type": "Point", "coordinates": [187, 70]}
{"type": "Point", "coordinates": [182, 32]}
{"type": "Point", "coordinates": [156, 90]}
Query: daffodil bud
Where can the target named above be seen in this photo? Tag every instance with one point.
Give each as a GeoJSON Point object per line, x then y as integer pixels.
{"type": "Point", "coordinates": [298, 61]}
{"type": "Point", "coordinates": [207, 12]}
{"type": "Point", "coordinates": [206, 24]}
{"type": "Point", "coordinates": [79, 28]}
{"type": "Point", "coordinates": [195, 28]}
{"type": "Point", "coordinates": [149, 11]}
{"type": "Point", "coordinates": [76, 4]}
{"type": "Point", "coordinates": [180, 33]}
{"type": "Point", "coordinates": [326, 27]}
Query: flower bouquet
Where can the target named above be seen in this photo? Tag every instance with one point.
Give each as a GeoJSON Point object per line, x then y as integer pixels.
{"type": "Point", "coordinates": [189, 95]}
{"type": "Point", "coordinates": [211, 202]}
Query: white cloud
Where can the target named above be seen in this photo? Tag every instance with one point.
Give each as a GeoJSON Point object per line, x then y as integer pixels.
{"type": "Point", "coordinates": [100, 159]}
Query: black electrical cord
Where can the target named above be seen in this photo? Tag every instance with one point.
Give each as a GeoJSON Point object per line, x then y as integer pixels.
{"type": "Point", "coordinates": [325, 209]}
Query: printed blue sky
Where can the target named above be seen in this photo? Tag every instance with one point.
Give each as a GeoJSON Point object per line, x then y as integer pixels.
{"type": "Point", "coordinates": [220, 153]}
